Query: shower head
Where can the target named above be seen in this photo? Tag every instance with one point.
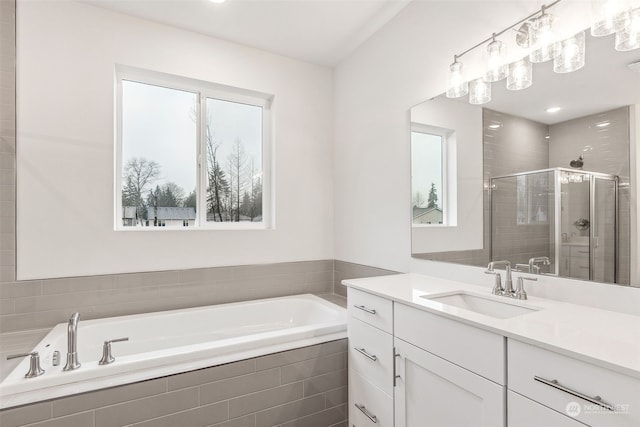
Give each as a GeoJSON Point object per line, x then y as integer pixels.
{"type": "Point", "coordinates": [577, 163]}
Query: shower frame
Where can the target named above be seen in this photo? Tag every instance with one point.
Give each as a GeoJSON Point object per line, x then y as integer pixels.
{"type": "Point", "coordinates": [557, 214]}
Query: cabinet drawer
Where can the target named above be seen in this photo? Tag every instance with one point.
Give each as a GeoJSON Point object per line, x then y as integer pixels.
{"type": "Point", "coordinates": [580, 251]}
{"type": "Point", "coordinates": [524, 412]}
{"type": "Point", "coordinates": [368, 405]}
{"type": "Point", "coordinates": [565, 385]}
{"type": "Point", "coordinates": [374, 310]}
{"type": "Point", "coordinates": [371, 354]}
{"type": "Point", "coordinates": [474, 349]}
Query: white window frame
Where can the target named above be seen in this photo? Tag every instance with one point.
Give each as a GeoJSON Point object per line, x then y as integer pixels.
{"type": "Point", "coordinates": [203, 90]}
{"type": "Point", "coordinates": [447, 169]}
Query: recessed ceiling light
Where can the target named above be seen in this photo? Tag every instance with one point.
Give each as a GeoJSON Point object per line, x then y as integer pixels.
{"type": "Point", "coordinates": [603, 124]}
{"type": "Point", "coordinates": [553, 109]}
{"type": "Point", "coordinates": [217, 1]}
{"type": "Point", "coordinates": [495, 126]}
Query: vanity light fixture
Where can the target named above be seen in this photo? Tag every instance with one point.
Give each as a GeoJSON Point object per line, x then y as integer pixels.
{"type": "Point", "coordinates": [498, 68]}
{"type": "Point", "coordinates": [535, 33]}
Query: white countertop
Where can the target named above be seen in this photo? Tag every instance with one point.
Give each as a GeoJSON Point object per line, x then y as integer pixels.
{"type": "Point", "coordinates": [605, 338]}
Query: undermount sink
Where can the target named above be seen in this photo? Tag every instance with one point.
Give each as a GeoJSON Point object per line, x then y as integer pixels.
{"type": "Point", "coordinates": [481, 304]}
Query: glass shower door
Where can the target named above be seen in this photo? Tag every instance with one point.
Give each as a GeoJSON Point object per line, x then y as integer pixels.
{"type": "Point", "coordinates": [604, 229]}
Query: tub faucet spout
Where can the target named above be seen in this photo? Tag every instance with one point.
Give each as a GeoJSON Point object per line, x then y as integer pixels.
{"type": "Point", "coordinates": [72, 343]}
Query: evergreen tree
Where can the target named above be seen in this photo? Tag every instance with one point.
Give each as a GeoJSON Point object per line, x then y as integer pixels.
{"type": "Point", "coordinates": [432, 202]}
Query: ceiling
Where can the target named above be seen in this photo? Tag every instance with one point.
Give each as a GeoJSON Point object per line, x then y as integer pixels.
{"type": "Point", "coordinates": [318, 31]}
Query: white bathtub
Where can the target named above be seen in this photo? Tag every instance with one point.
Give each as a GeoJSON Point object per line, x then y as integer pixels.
{"type": "Point", "coordinates": [171, 342]}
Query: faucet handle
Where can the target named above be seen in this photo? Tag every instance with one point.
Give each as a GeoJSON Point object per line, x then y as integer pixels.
{"type": "Point", "coordinates": [34, 363]}
{"type": "Point", "coordinates": [107, 357]}
{"type": "Point", "coordinates": [520, 292]}
{"type": "Point", "coordinates": [497, 285]}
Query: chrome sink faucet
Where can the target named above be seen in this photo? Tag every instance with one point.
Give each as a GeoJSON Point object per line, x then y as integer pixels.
{"type": "Point", "coordinates": [533, 263]}
{"type": "Point", "coordinates": [508, 281]}
{"type": "Point", "coordinates": [72, 343]}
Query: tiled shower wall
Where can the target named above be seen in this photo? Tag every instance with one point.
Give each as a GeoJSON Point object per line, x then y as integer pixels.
{"type": "Point", "coordinates": [7, 141]}
{"type": "Point", "coordinates": [609, 154]}
{"type": "Point", "coordinates": [305, 387]}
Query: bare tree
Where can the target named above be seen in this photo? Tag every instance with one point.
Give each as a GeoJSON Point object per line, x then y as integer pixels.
{"type": "Point", "coordinates": [237, 173]}
{"type": "Point", "coordinates": [418, 199]}
{"type": "Point", "coordinates": [139, 174]}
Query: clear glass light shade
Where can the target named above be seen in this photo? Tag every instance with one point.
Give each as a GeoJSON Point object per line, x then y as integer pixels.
{"type": "Point", "coordinates": [571, 56]}
{"type": "Point", "coordinates": [628, 38]}
{"type": "Point", "coordinates": [479, 92]}
{"type": "Point", "coordinates": [520, 75]}
{"type": "Point", "coordinates": [608, 16]}
{"type": "Point", "coordinates": [541, 39]}
{"type": "Point", "coordinates": [497, 68]}
{"type": "Point", "coordinates": [457, 86]}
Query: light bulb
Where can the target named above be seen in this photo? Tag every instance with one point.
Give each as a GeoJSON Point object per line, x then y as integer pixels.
{"type": "Point", "coordinates": [571, 56]}
{"type": "Point", "coordinates": [541, 38]}
{"type": "Point", "coordinates": [608, 16]}
{"type": "Point", "coordinates": [497, 69]}
{"type": "Point", "coordinates": [520, 75]}
{"type": "Point", "coordinates": [628, 37]}
{"type": "Point", "coordinates": [457, 86]}
{"type": "Point", "coordinates": [479, 92]}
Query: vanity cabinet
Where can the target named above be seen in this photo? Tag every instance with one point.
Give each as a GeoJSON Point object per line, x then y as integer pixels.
{"type": "Point", "coordinates": [575, 261]}
{"type": "Point", "coordinates": [525, 412]}
{"type": "Point", "coordinates": [370, 326]}
{"type": "Point", "coordinates": [412, 368]}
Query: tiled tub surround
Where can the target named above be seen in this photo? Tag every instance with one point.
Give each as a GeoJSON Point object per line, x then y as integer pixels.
{"type": "Point", "coordinates": [39, 304]}
{"type": "Point", "coordinates": [171, 342]}
{"type": "Point", "coordinates": [304, 387]}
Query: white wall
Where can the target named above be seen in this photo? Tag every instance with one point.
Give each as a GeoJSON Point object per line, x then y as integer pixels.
{"type": "Point", "coordinates": [66, 57]}
{"type": "Point", "coordinates": [403, 64]}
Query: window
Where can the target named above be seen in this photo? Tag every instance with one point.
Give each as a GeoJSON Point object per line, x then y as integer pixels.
{"type": "Point", "coordinates": [428, 189]}
{"type": "Point", "coordinates": [191, 153]}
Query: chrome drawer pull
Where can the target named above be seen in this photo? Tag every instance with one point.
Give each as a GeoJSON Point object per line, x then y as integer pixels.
{"type": "Point", "coordinates": [596, 400]}
{"type": "Point", "coordinates": [366, 353]}
{"type": "Point", "coordinates": [363, 308]}
{"type": "Point", "coordinates": [366, 412]}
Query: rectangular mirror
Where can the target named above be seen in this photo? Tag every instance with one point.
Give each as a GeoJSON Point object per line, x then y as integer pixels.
{"type": "Point", "coordinates": [552, 191]}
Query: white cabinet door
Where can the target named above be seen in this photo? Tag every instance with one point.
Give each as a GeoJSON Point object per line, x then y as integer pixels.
{"type": "Point", "coordinates": [524, 412]}
{"type": "Point", "coordinates": [432, 392]}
